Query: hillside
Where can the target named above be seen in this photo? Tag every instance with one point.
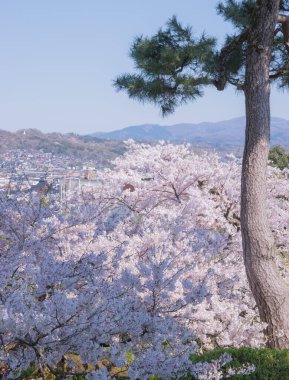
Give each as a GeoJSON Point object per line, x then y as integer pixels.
{"type": "Point", "coordinates": [71, 145]}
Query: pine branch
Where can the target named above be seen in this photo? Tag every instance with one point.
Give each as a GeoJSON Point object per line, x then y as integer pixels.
{"type": "Point", "coordinates": [284, 20]}
{"type": "Point", "coordinates": [223, 58]}
{"type": "Point", "coordinates": [279, 73]}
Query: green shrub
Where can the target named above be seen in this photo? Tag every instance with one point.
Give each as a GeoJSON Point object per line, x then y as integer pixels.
{"type": "Point", "coordinates": [279, 157]}
{"type": "Point", "coordinates": [270, 364]}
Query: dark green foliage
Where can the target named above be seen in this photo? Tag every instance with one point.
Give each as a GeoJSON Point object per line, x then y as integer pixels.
{"type": "Point", "coordinates": [235, 60]}
{"type": "Point", "coordinates": [280, 62]}
{"type": "Point", "coordinates": [279, 157]}
{"type": "Point", "coordinates": [284, 5]}
{"type": "Point", "coordinates": [173, 66]}
{"type": "Point", "coordinates": [238, 12]}
{"type": "Point", "coordinates": [270, 364]}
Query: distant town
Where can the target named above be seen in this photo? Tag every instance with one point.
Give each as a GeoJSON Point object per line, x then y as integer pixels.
{"type": "Point", "coordinates": [60, 162]}
{"type": "Point", "coordinates": [46, 171]}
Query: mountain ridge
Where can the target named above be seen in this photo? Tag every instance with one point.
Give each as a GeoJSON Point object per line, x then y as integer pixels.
{"type": "Point", "coordinates": [224, 133]}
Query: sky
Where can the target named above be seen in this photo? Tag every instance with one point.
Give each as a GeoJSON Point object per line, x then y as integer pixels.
{"type": "Point", "coordinates": [58, 59]}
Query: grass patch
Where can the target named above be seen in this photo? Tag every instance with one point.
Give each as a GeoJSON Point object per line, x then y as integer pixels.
{"type": "Point", "coordinates": [270, 364]}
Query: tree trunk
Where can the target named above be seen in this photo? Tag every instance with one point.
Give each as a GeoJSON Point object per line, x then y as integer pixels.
{"type": "Point", "coordinates": [269, 289]}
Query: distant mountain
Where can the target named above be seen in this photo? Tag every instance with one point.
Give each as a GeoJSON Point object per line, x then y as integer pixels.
{"type": "Point", "coordinates": [225, 135]}
{"type": "Point", "coordinates": [70, 144]}
{"type": "Point", "coordinates": [220, 135]}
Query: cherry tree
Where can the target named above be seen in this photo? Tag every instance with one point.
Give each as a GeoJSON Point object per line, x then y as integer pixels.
{"type": "Point", "coordinates": [134, 274]}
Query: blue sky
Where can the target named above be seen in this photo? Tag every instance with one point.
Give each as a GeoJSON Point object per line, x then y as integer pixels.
{"type": "Point", "coordinates": [58, 59]}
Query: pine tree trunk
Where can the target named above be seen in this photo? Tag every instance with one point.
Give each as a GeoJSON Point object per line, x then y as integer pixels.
{"type": "Point", "coordinates": [269, 289]}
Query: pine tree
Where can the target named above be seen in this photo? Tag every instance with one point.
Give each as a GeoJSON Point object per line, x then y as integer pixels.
{"type": "Point", "coordinates": [173, 67]}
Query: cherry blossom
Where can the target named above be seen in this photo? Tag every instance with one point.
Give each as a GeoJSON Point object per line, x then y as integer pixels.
{"type": "Point", "coordinates": [139, 271]}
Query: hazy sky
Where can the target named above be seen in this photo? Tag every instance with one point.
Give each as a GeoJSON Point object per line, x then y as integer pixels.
{"type": "Point", "coordinates": [58, 59]}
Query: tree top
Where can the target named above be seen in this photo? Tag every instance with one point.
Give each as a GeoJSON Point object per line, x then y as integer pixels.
{"type": "Point", "coordinates": [173, 66]}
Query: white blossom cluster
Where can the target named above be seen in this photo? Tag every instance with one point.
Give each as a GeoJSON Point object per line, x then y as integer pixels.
{"type": "Point", "coordinates": [139, 271]}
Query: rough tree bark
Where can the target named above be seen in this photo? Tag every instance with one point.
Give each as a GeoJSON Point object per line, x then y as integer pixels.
{"type": "Point", "coordinates": [269, 289]}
